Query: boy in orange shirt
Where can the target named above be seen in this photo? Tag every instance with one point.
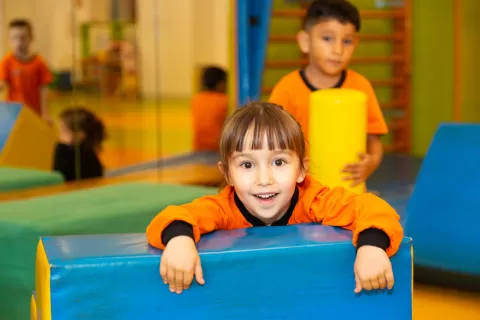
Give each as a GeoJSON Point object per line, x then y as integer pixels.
{"type": "Point", "coordinates": [24, 72]}
{"type": "Point", "coordinates": [209, 110]}
{"type": "Point", "coordinates": [329, 37]}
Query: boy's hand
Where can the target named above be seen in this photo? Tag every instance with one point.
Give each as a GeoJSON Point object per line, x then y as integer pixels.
{"type": "Point", "coordinates": [47, 119]}
{"type": "Point", "coordinates": [360, 171]}
{"type": "Point", "coordinates": [180, 261]}
{"type": "Point", "coordinates": [373, 269]}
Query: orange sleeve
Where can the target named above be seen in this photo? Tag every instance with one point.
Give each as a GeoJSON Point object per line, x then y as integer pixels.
{"type": "Point", "coordinates": [357, 212]}
{"type": "Point", "coordinates": [281, 97]}
{"type": "Point", "coordinates": [376, 121]}
{"type": "Point", "coordinates": [4, 70]}
{"type": "Point", "coordinates": [205, 215]}
{"type": "Point", "coordinates": [45, 74]}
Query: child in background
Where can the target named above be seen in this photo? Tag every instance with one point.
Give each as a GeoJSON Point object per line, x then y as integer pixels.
{"type": "Point", "coordinates": [25, 73]}
{"type": "Point", "coordinates": [262, 152]}
{"type": "Point", "coordinates": [329, 37]}
{"type": "Point", "coordinates": [209, 110]}
{"type": "Point", "coordinates": [81, 138]}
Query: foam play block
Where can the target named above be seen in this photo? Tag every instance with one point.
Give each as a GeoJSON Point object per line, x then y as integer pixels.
{"type": "Point", "coordinates": [122, 208]}
{"type": "Point", "coordinates": [26, 141]}
{"type": "Point", "coordinates": [33, 307]}
{"type": "Point", "coordinates": [21, 178]}
{"type": "Point", "coordinates": [443, 211]}
{"type": "Point", "coordinates": [292, 272]}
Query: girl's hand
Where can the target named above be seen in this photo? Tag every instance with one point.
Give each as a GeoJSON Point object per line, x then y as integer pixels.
{"type": "Point", "coordinates": [180, 261]}
{"type": "Point", "coordinates": [373, 269]}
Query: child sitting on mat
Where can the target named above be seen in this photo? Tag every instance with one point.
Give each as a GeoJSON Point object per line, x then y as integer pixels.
{"type": "Point", "coordinates": [81, 136]}
{"type": "Point", "coordinates": [262, 152]}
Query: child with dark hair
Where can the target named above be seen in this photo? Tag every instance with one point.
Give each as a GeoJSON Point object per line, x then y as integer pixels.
{"type": "Point", "coordinates": [209, 110]}
{"type": "Point", "coordinates": [329, 37]}
{"type": "Point", "coordinates": [81, 136]}
{"type": "Point", "coordinates": [24, 73]}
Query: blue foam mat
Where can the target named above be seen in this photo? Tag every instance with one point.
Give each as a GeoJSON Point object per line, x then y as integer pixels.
{"type": "Point", "coordinates": [293, 272]}
{"type": "Point", "coordinates": [443, 213]}
{"type": "Point", "coordinates": [9, 113]}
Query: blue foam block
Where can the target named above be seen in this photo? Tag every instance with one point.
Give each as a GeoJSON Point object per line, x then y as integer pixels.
{"type": "Point", "coordinates": [443, 213]}
{"type": "Point", "coordinates": [293, 272]}
{"type": "Point", "coordinates": [9, 113]}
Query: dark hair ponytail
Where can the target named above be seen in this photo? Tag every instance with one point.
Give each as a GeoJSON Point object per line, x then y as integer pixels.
{"type": "Point", "coordinates": [79, 119]}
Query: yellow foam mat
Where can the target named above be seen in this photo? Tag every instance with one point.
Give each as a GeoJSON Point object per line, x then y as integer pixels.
{"type": "Point", "coordinates": [33, 308]}
{"type": "Point", "coordinates": [42, 284]}
{"type": "Point", "coordinates": [30, 144]}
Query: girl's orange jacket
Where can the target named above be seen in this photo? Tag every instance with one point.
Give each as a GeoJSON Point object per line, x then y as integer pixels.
{"type": "Point", "coordinates": [314, 202]}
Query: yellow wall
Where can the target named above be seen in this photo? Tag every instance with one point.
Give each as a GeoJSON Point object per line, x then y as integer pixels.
{"type": "Point", "coordinates": [189, 33]}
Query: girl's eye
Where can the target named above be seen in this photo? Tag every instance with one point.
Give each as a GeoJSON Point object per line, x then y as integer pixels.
{"type": "Point", "coordinates": [279, 162]}
{"type": "Point", "coordinates": [327, 38]}
{"type": "Point", "coordinates": [247, 165]}
{"type": "Point", "coordinates": [348, 41]}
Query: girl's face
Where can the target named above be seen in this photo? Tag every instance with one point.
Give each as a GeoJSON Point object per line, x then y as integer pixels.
{"type": "Point", "coordinates": [67, 136]}
{"type": "Point", "coordinates": [265, 180]}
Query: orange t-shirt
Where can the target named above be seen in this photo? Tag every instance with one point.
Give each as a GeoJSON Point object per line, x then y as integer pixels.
{"type": "Point", "coordinates": [293, 91]}
{"type": "Point", "coordinates": [316, 203]}
{"type": "Point", "coordinates": [25, 79]}
{"type": "Point", "coordinates": [209, 112]}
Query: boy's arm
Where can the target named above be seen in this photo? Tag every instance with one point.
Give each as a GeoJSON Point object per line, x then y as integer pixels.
{"type": "Point", "coordinates": [45, 79]}
{"type": "Point", "coordinates": [372, 220]}
{"type": "Point", "coordinates": [44, 102]}
{"type": "Point", "coordinates": [202, 216]}
{"type": "Point", "coordinates": [3, 74]}
{"type": "Point", "coordinates": [375, 151]}
{"type": "Point", "coordinates": [375, 129]}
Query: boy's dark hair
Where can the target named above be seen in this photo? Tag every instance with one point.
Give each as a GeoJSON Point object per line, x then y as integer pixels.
{"type": "Point", "coordinates": [79, 119]}
{"type": "Point", "coordinates": [341, 10]}
{"type": "Point", "coordinates": [212, 76]}
{"type": "Point", "coordinates": [21, 23]}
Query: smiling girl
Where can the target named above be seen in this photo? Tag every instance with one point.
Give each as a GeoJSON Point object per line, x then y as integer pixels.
{"type": "Point", "coordinates": [262, 152]}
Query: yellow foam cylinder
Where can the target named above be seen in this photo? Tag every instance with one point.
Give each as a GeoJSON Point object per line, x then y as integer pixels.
{"type": "Point", "coordinates": [337, 133]}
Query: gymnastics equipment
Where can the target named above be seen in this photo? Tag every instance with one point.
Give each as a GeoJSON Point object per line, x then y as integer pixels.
{"type": "Point", "coordinates": [291, 272]}
{"type": "Point", "coordinates": [26, 141]}
{"type": "Point", "coordinates": [33, 307]}
{"type": "Point", "coordinates": [121, 208]}
{"type": "Point", "coordinates": [251, 29]}
{"type": "Point", "coordinates": [443, 211]}
{"type": "Point", "coordinates": [337, 134]}
{"type": "Point", "coordinates": [14, 179]}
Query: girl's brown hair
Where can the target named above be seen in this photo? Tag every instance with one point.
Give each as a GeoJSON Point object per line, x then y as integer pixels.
{"type": "Point", "coordinates": [265, 119]}
{"type": "Point", "coordinates": [79, 119]}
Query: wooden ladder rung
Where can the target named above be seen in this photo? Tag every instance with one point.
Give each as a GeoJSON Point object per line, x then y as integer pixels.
{"type": "Point", "coordinates": [397, 124]}
{"type": "Point", "coordinates": [278, 38]}
{"type": "Point", "coordinates": [398, 104]}
{"type": "Point", "coordinates": [360, 60]}
{"type": "Point", "coordinates": [372, 14]}
{"type": "Point", "coordinates": [395, 82]}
